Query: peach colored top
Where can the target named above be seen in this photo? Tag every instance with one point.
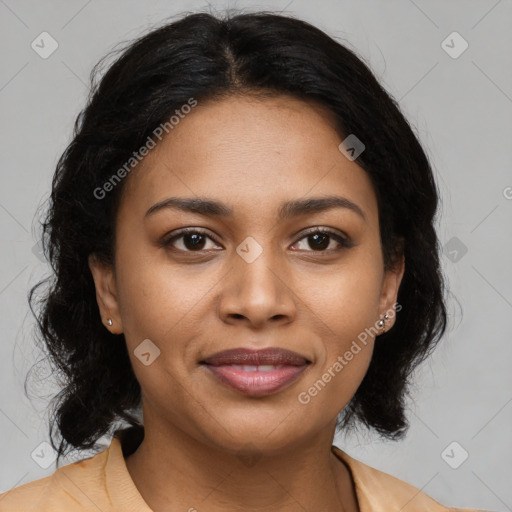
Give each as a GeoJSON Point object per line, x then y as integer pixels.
{"type": "Point", "coordinates": [103, 483]}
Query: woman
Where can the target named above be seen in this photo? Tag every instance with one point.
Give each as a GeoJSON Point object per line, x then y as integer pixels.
{"type": "Point", "coordinates": [245, 260]}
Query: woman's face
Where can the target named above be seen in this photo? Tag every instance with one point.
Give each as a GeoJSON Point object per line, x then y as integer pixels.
{"type": "Point", "coordinates": [253, 275]}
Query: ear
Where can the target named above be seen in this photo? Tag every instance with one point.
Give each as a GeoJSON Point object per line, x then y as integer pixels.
{"type": "Point", "coordinates": [106, 294]}
{"type": "Point", "coordinates": [390, 285]}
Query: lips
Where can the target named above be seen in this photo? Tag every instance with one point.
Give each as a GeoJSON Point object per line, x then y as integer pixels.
{"type": "Point", "coordinates": [268, 356]}
{"type": "Point", "coordinates": [256, 372]}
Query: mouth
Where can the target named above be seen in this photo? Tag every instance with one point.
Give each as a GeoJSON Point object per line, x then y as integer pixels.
{"type": "Point", "coordinates": [256, 372]}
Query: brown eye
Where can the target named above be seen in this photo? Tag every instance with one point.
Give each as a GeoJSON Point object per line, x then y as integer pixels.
{"type": "Point", "coordinates": [188, 240]}
{"type": "Point", "coordinates": [193, 241]}
{"type": "Point", "coordinates": [322, 240]}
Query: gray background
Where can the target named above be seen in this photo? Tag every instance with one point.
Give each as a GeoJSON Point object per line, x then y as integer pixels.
{"type": "Point", "coordinates": [461, 109]}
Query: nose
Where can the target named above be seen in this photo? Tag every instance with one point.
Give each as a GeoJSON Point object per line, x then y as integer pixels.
{"type": "Point", "coordinates": [257, 293]}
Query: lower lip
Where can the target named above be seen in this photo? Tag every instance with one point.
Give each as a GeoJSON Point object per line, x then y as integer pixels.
{"type": "Point", "coordinates": [257, 383]}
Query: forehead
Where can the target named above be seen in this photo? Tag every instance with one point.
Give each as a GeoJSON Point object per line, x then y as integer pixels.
{"type": "Point", "coordinates": [252, 153]}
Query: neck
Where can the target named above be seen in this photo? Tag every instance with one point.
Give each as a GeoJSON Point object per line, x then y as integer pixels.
{"type": "Point", "coordinates": [174, 471]}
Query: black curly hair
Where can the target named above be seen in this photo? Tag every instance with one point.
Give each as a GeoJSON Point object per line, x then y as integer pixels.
{"type": "Point", "coordinates": [206, 57]}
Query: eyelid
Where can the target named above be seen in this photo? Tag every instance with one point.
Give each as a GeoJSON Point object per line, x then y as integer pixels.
{"type": "Point", "coordinates": [184, 231]}
{"type": "Point", "coordinates": [342, 238]}
{"type": "Point", "coordinates": [324, 229]}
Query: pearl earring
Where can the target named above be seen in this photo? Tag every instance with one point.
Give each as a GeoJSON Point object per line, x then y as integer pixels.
{"type": "Point", "coordinates": [380, 323]}
{"type": "Point", "coordinates": [109, 321]}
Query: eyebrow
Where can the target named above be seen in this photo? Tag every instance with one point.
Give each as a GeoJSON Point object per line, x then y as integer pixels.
{"type": "Point", "coordinates": [293, 208]}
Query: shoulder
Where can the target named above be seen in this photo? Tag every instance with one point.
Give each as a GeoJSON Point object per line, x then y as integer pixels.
{"type": "Point", "coordinates": [381, 492]}
{"type": "Point", "coordinates": [79, 486]}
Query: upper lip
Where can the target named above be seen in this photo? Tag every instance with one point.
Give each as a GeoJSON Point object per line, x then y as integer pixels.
{"type": "Point", "coordinates": [244, 356]}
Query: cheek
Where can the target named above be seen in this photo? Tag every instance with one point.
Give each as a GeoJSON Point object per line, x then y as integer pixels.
{"type": "Point", "coordinates": [346, 300]}
{"type": "Point", "coordinates": [164, 303]}
{"type": "Point", "coordinates": [151, 297]}
{"type": "Point", "coordinates": [156, 304]}
{"type": "Point", "coordinates": [343, 308]}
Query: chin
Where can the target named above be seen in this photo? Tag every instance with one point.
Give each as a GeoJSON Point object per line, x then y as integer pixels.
{"type": "Point", "coordinates": [270, 434]}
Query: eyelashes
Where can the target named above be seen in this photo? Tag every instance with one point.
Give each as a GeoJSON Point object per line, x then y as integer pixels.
{"type": "Point", "coordinates": [320, 234]}
{"type": "Point", "coordinates": [316, 240]}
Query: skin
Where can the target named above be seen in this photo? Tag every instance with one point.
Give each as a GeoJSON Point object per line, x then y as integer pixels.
{"type": "Point", "coordinates": [252, 154]}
